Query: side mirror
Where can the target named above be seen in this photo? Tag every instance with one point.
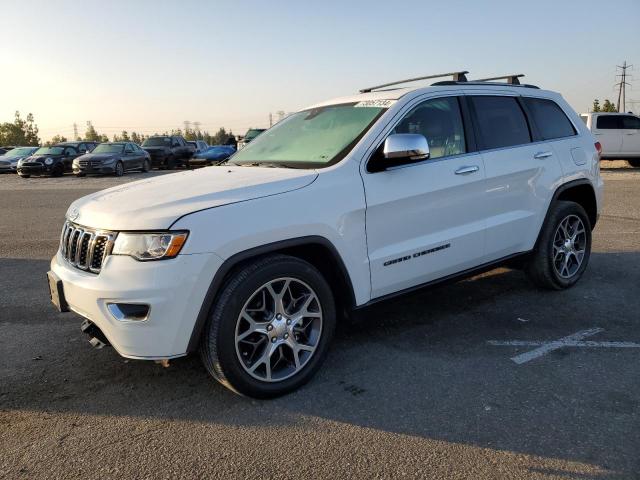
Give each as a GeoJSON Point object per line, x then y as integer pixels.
{"type": "Point", "coordinates": [406, 146]}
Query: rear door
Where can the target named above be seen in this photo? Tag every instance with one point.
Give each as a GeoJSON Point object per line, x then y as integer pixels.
{"type": "Point", "coordinates": [608, 131]}
{"type": "Point", "coordinates": [131, 157]}
{"type": "Point", "coordinates": [521, 175]}
{"type": "Point", "coordinates": [425, 220]}
{"type": "Point", "coordinates": [631, 135]}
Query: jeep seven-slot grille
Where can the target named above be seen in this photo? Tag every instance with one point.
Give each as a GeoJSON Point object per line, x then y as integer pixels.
{"type": "Point", "coordinates": [85, 248]}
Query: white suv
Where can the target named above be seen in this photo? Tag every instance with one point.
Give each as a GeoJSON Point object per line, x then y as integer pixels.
{"type": "Point", "coordinates": [618, 133]}
{"type": "Point", "coordinates": [339, 206]}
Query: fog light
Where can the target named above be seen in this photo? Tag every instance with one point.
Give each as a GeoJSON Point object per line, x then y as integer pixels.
{"type": "Point", "coordinates": [136, 312]}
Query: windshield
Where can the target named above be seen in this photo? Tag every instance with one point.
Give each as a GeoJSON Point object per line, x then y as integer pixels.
{"type": "Point", "coordinates": [19, 152]}
{"type": "Point", "coordinates": [253, 133]}
{"type": "Point", "coordinates": [109, 148]}
{"type": "Point", "coordinates": [157, 142]}
{"type": "Point", "coordinates": [49, 151]}
{"type": "Point", "coordinates": [311, 138]}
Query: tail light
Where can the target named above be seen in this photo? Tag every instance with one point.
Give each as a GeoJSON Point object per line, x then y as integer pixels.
{"type": "Point", "coordinates": [598, 149]}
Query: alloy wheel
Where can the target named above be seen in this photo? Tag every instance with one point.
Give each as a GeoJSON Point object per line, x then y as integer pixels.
{"type": "Point", "coordinates": [569, 246]}
{"type": "Point", "coordinates": [278, 329]}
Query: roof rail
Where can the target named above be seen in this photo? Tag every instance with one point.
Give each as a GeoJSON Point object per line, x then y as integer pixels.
{"type": "Point", "coordinates": [457, 77]}
{"type": "Point", "coordinates": [511, 79]}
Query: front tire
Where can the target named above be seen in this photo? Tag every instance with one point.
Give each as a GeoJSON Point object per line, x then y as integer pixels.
{"type": "Point", "coordinates": [269, 329]}
{"type": "Point", "coordinates": [564, 247]}
{"type": "Point", "coordinates": [118, 171]}
{"type": "Point", "coordinates": [24, 175]}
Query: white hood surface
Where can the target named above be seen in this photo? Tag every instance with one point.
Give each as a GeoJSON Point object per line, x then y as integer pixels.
{"type": "Point", "coordinates": [155, 203]}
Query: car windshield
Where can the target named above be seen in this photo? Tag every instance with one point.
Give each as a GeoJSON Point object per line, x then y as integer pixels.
{"type": "Point", "coordinates": [311, 138]}
{"type": "Point", "coordinates": [253, 133]}
{"type": "Point", "coordinates": [109, 148]}
{"type": "Point", "coordinates": [157, 142]}
{"type": "Point", "coordinates": [49, 151]}
{"type": "Point", "coordinates": [19, 152]}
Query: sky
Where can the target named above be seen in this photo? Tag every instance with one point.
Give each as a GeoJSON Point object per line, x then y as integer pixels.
{"type": "Point", "coordinates": [150, 65]}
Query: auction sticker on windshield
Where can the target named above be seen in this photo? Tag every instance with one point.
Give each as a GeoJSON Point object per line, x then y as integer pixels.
{"type": "Point", "coordinates": [375, 103]}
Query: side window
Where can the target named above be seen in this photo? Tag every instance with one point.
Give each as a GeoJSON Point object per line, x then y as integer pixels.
{"type": "Point", "coordinates": [608, 122]}
{"type": "Point", "coordinates": [440, 121]}
{"type": "Point", "coordinates": [501, 122]}
{"type": "Point", "coordinates": [70, 151]}
{"type": "Point", "coordinates": [549, 118]}
{"type": "Point", "coordinates": [128, 148]}
{"type": "Point", "coordinates": [630, 123]}
{"type": "Point", "coordinates": [82, 148]}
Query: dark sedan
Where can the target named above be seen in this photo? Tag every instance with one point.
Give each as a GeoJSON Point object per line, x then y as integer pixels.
{"type": "Point", "coordinates": [113, 158]}
{"type": "Point", "coordinates": [52, 161]}
{"type": "Point", "coordinates": [212, 156]}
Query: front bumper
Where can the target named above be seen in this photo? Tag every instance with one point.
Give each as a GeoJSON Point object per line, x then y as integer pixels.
{"type": "Point", "coordinates": [35, 169]}
{"type": "Point", "coordinates": [8, 168]}
{"type": "Point", "coordinates": [94, 169]}
{"type": "Point", "coordinates": [174, 289]}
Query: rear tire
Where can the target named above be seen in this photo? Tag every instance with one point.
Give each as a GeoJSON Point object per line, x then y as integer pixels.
{"type": "Point", "coordinates": [563, 249]}
{"type": "Point", "coordinates": [634, 162]}
{"type": "Point", "coordinates": [146, 166]}
{"type": "Point", "coordinates": [279, 310]}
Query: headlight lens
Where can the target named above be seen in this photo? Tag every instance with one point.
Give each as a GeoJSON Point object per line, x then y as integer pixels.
{"type": "Point", "coordinates": [48, 161]}
{"type": "Point", "coordinates": [149, 246]}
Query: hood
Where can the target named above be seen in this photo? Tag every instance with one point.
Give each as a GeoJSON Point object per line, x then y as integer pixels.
{"type": "Point", "coordinates": [98, 156]}
{"type": "Point", "coordinates": [155, 203]}
{"type": "Point", "coordinates": [41, 158]}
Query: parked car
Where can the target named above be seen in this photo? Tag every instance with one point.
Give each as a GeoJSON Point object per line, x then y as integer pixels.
{"type": "Point", "coordinates": [337, 207]}
{"type": "Point", "coordinates": [53, 161]}
{"type": "Point", "coordinates": [4, 150]}
{"type": "Point", "coordinates": [168, 151]}
{"type": "Point", "coordinates": [618, 133]}
{"type": "Point", "coordinates": [9, 161]}
{"type": "Point", "coordinates": [199, 146]}
{"type": "Point", "coordinates": [251, 134]}
{"type": "Point", "coordinates": [113, 158]}
{"type": "Point", "coordinates": [212, 156]}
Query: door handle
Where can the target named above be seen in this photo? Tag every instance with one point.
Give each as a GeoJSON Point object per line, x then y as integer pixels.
{"type": "Point", "coordinates": [540, 155]}
{"type": "Point", "coordinates": [467, 170]}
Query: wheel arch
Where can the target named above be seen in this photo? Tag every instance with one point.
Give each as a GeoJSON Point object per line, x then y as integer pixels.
{"type": "Point", "coordinates": [316, 250]}
{"type": "Point", "coordinates": [580, 191]}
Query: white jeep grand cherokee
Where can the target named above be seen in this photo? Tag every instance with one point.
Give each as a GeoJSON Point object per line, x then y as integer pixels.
{"type": "Point", "coordinates": [340, 205]}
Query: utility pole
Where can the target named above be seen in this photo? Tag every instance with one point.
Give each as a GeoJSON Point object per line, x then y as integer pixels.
{"type": "Point", "coordinates": [75, 131]}
{"type": "Point", "coordinates": [622, 86]}
{"type": "Point", "coordinates": [187, 126]}
{"type": "Point", "coordinates": [196, 126]}
{"type": "Point", "coordinates": [270, 119]}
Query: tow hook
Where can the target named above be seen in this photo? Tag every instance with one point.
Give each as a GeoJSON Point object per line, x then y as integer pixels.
{"type": "Point", "coordinates": [164, 362]}
{"type": "Point", "coordinates": [98, 339]}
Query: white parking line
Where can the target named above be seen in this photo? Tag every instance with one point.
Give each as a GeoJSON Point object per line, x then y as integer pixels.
{"type": "Point", "coordinates": [574, 340]}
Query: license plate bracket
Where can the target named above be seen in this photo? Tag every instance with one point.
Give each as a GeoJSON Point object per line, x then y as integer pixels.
{"type": "Point", "coordinates": [56, 292]}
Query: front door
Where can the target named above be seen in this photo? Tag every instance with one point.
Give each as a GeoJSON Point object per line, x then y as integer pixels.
{"type": "Point", "coordinates": [425, 220]}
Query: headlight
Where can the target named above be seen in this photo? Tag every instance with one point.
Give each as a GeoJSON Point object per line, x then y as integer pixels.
{"type": "Point", "coordinates": [149, 246]}
{"type": "Point", "coordinates": [48, 161]}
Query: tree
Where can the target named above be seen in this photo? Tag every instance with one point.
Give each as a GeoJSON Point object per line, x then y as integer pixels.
{"type": "Point", "coordinates": [608, 106]}
{"type": "Point", "coordinates": [91, 135]}
{"type": "Point", "coordinates": [56, 139]}
{"type": "Point", "coordinates": [21, 132]}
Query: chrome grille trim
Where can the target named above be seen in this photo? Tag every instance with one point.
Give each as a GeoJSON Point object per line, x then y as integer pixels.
{"type": "Point", "coordinates": [85, 248]}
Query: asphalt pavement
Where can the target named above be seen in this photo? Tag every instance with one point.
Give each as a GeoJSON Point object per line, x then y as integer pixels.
{"type": "Point", "coordinates": [420, 387]}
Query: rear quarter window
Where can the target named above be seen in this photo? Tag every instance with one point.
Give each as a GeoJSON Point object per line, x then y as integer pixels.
{"type": "Point", "coordinates": [549, 118]}
{"type": "Point", "coordinates": [501, 122]}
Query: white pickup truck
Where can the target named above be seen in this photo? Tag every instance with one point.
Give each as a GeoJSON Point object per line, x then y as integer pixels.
{"type": "Point", "coordinates": [618, 133]}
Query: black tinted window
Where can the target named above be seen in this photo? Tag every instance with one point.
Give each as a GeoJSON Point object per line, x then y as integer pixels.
{"type": "Point", "coordinates": [549, 118]}
{"type": "Point", "coordinates": [439, 120]}
{"type": "Point", "coordinates": [630, 123]}
{"type": "Point", "coordinates": [501, 122]}
{"type": "Point", "coordinates": [608, 122]}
